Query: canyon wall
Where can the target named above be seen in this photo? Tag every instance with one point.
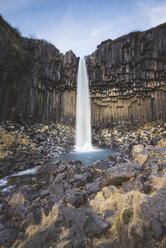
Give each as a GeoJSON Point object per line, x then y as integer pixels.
{"type": "Point", "coordinates": [37, 82]}
{"type": "Point", "coordinates": [128, 78]}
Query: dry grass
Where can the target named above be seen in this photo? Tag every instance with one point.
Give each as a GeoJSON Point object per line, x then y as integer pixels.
{"type": "Point", "coordinates": [138, 156]}
{"type": "Point", "coordinates": [150, 130]}
{"type": "Point", "coordinates": [129, 207]}
{"type": "Point", "coordinates": [137, 149]}
{"type": "Point", "coordinates": [34, 229]}
{"type": "Point", "coordinates": [163, 243]}
{"type": "Point", "coordinates": [159, 182]}
{"type": "Point", "coordinates": [17, 199]}
{"type": "Point", "coordinates": [44, 128]}
{"type": "Point", "coordinates": [12, 139]}
{"type": "Point", "coordinates": [65, 233]}
{"type": "Point", "coordinates": [62, 244]}
{"type": "Point", "coordinates": [56, 128]}
{"type": "Point", "coordinates": [162, 143]}
{"type": "Point", "coordinates": [126, 206]}
{"type": "Point", "coordinates": [153, 129]}
{"type": "Point", "coordinates": [145, 132]}
{"type": "Point", "coordinates": [45, 222]}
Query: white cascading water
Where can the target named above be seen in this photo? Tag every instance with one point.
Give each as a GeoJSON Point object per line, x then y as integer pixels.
{"type": "Point", "coordinates": [83, 111]}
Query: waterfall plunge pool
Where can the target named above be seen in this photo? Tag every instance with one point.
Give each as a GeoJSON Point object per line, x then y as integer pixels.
{"type": "Point", "coordinates": [84, 150]}
{"type": "Point", "coordinates": [87, 158]}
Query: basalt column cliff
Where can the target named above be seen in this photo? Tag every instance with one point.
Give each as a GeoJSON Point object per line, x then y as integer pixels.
{"type": "Point", "coordinates": [128, 78]}
{"type": "Point", "coordinates": [37, 82]}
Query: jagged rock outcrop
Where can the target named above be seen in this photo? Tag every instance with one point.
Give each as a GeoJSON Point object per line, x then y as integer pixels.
{"type": "Point", "coordinates": [128, 78]}
{"type": "Point", "coordinates": [37, 82]}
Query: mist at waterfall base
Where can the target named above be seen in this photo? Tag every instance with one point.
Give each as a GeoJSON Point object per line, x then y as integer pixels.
{"type": "Point", "coordinates": [87, 158]}
{"type": "Point", "coordinates": [84, 150]}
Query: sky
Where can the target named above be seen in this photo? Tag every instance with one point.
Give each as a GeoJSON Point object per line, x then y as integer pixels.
{"type": "Point", "coordinates": [81, 25]}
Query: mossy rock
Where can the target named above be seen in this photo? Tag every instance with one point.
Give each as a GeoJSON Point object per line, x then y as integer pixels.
{"type": "Point", "coordinates": [127, 216]}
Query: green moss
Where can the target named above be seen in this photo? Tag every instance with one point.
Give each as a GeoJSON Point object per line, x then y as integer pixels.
{"type": "Point", "coordinates": [127, 216]}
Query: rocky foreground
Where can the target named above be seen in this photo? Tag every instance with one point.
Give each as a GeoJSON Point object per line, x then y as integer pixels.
{"type": "Point", "coordinates": [116, 203]}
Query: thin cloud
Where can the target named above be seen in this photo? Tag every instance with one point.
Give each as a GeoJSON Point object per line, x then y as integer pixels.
{"type": "Point", "coordinates": [10, 5]}
{"type": "Point", "coordinates": [69, 27]}
{"type": "Point", "coordinates": [76, 36]}
{"type": "Point", "coordinates": [99, 31]}
{"type": "Point", "coordinates": [81, 37]}
{"type": "Point", "coordinates": [94, 33]}
{"type": "Point", "coordinates": [155, 12]}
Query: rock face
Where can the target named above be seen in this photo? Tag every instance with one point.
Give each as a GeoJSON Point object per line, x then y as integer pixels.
{"type": "Point", "coordinates": [37, 82]}
{"type": "Point", "coordinates": [128, 79]}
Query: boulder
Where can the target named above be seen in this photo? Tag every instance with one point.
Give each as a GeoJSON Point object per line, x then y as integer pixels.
{"type": "Point", "coordinates": [79, 180]}
{"type": "Point", "coordinates": [76, 199]}
{"type": "Point", "coordinates": [120, 173]}
{"type": "Point", "coordinates": [92, 187]}
{"type": "Point", "coordinates": [8, 236]}
{"type": "Point", "coordinates": [108, 191]}
{"type": "Point", "coordinates": [140, 158]}
{"type": "Point", "coordinates": [94, 227]}
{"type": "Point", "coordinates": [139, 155]}
{"type": "Point", "coordinates": [57, 190]}
{"type": "Point", "coordinates": [103, 164]}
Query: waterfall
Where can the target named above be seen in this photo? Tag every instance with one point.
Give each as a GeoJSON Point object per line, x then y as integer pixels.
{"type": "Point", "coordinates": [83, 111]}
